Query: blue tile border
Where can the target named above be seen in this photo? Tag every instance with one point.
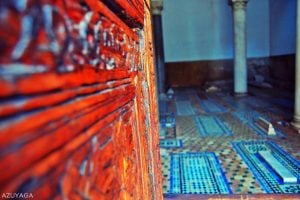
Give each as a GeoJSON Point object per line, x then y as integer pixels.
{"type": "Point", "coordinates": [170, 143]}
{"type": "Point", "coordinates": [249, 118]}
{"type": "Point", "coordinates": [216, 126]}
{"type": "Point", "coordinates": [211, 106]}
{"type": "Point", "coordinates": [266, 176]}
{"type": "Point", "coordinates": [184, 108]}
{"type": "Point", "coordinates": [167, 120]}
{"type": "Point", "coordinates": [210, 178]}
{"type": "Point", "coordinates": [235, 104]}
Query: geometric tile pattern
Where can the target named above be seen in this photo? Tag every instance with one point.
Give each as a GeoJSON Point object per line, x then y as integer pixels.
{"type": "Point", "coordinates": [197, 173]}
{"type": "Point", "coordinates": [167, 120]}
{"type": "Point", "coordinates": [269, 179]}
{"type": "Point", "coordinates": [170, 143]}
{"type": "Point", "coordinates": [211, 106]}
{"type": "Point", "coordinates": [211, 126]}
{"type": "Point", "coordinates": [289, 188]}
{"type": "Point", "coordinates": [250, 117]}
{"type": "Point", "coordinates": [235, 103]}
{"type": "Point", "coordinates": [240, 178]}
{"type": "Point", "coordinates": [184, 108]}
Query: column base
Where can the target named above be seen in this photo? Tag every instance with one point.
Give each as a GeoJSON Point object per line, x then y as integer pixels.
{"type": "Point", "coordinates": [296, 123]}
{"type": "Point", "coordinates": [240, 94]}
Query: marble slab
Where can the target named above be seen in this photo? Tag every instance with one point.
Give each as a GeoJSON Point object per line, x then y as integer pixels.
{"type": "Point", "coordinates": [282, 171]}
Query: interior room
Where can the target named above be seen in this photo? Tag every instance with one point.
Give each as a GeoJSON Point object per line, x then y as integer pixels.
{"type": "Point", "coordinates": [226, 96]}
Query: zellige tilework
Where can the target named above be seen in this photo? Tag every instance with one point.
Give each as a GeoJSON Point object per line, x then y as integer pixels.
{"type": "Point", "coordinates": [239, 175]}
{"type": "Point", "coordinates": [263, 170]}
{"type": "Point", "coordinates": [211, 126]}
{"type": "Point", "coordinates": [197, 173]}
{"type": "Point", "coordinates": [249, 118]}
{"type": "Point", "coordinates": [210, 106]}
{"type": "Point", "coordinates": [184, 108]}
{"type": "Point", "coordinates": [170, 143]}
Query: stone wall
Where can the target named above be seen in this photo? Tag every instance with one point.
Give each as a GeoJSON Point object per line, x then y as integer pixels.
{"type": "Point", "coordinates": [282, 71]}
{"type": "Point", "coordinates": [276, 70]}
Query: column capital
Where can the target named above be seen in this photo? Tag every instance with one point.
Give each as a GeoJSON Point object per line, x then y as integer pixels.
{"type": "Point", "coordinates": [157, 6]}
{"type": "Point", "coordinates": [238, 4]}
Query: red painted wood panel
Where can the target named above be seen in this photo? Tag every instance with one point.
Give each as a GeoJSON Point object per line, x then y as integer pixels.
{"type": "Point", "coordinates": [131, 11]}
{"type": "Point", "coordinates": [78, 114]}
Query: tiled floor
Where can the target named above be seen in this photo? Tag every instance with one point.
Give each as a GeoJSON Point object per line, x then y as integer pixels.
{"type": "Point", "coordinates": [208, 178]}
{"type": "Point", "coordinates": [220, 109]}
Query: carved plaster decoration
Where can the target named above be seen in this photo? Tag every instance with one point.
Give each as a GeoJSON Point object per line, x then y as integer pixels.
{"type": "Point", "coordinates": [238, 4]}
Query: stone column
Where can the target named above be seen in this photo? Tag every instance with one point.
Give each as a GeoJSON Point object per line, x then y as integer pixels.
{"type": "Point", "coordinates": [240, 58]}
{"type": "Point", "coordinates": [157, 7]}
{"type": "Point", "coordinates": [296, 121]}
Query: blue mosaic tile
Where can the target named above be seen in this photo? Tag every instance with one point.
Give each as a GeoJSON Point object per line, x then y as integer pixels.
{"type": "Point", "coordinates": [289, 188]}
{"type": "Point", "coordinates": [184, 108]}
{"type": "Point", "coordinates": [170, 143]}
{"type": "Point", "coordinates": [167, 120]}
{"type": "Point", "coordinates": [211, 126]}
{"type": "Point", "coordinates": [249, 118]}
{"type": "Point", "coordinates": [235, 104]}
{"type": "Point", "coordinates": [197, 173]}
{"type": "Point", "coordinates": [210, 106]}
{"type": "Point", "coordinates": [270, 181]}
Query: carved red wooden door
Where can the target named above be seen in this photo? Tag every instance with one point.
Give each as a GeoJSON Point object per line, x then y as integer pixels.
{"type": "Point", "coordinates": [78, 115]}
